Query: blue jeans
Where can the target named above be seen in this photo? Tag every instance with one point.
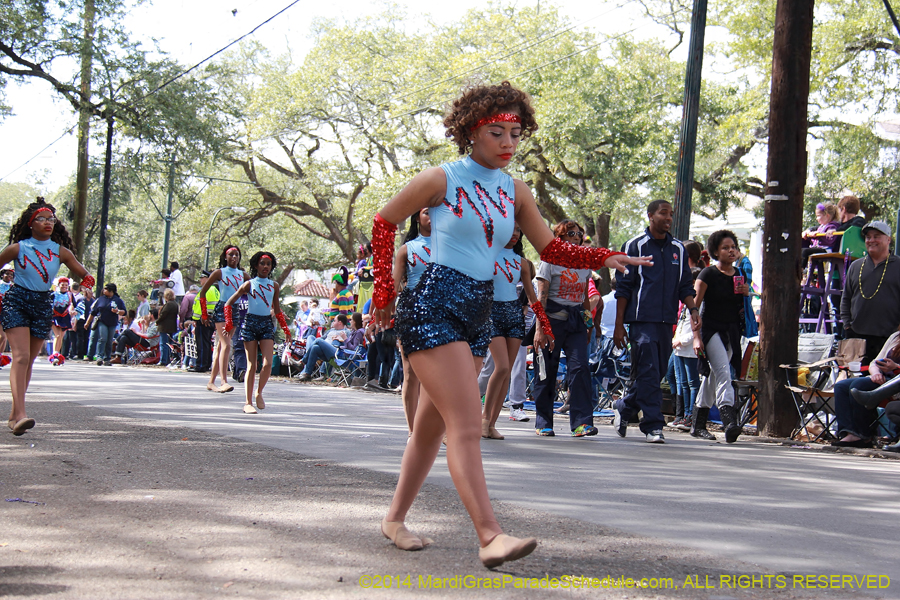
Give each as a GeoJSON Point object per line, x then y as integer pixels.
{"type": "Point", "coordinates": [574, 340]}
{"type": "Point", "coordinates": [320, 350]}
{"type": "Point", "coordinates": [688, 381]}
{"type": "Point", "coordinates": [105, 335]}
{"type": "Point", "coordinates": [163, 348]}
{"type": "Point", "coordinates": [92, 344]}
{"type": "Point", "coordinates": [852, 417]}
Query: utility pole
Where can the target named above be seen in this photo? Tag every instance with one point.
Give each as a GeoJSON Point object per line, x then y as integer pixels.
{"type": "Point", "coordinates": [104, 212]}
{"type": "Point", "coordinates": [684, 178]}
{"type": "Point", "coordinates": [786, 180]}
{"type": "Point", "coordinates": [168, 216]}
{"type": "Point", "coordinates": [84, 130]}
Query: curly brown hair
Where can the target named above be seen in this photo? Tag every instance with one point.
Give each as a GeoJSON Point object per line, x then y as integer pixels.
{"type": "Point", "coordinates": [483, 101]}
{"type": "Point", "coordinates": [22, 229]}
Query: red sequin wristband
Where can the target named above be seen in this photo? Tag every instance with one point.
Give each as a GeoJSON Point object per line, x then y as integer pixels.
{"type": "Point", "coordinates": [88, 281]}
{"type": "Point", "coordinates": [229, 320]}
{"type": "Point", "coordinates": [283, 322]}
{"type": "Point", "coordinates": [383, 233]}
{"type": "Point", "coordinates": [543, 319]}
{"type": "Point", "coordinates": [564, 254]}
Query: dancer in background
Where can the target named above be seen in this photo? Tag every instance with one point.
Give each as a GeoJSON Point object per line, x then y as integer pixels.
{"type": "Point", "coordinates": [508, 323]}
{"type": "Point", "coordinates": [258, 332]}
{"type": "Point", "coordinates": [409, 264]}
{"type": "Point", "coordinates": [38, 243]}
{"type": "Point", "coordinates": [230, 277]}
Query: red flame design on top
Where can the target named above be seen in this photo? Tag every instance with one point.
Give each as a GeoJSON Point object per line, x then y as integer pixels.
{"type": "Point", "coordinates": [42, 271]}
{"type": "Point", "coordinates": [412, 259]}
{"type": "Point", "coordinates": [487, 222]}
{"type": "Point", "coordinates": [508, 268]}
{"type": "Point", "coordinates": [266, 287]}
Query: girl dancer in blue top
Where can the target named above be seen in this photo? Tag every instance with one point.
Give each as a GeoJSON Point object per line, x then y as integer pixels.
{"type": "Point", "coordinates": [38, 243]}
{"type": "Point", "coordinates": [258, 330]}
{"type": "Point", "coordinates": [409, 265]}
{"type": "Point", "coordinates": [445, 326]}
{"type": "Point", "coordinates": [63, 303]}
{"type": "Point", "coordinates": [229, 276]}
{"type": "Point", "coordinates": [508, 322]}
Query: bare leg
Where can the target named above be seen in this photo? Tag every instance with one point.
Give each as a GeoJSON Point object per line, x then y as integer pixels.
{"type": "Point", "coordinates": [24, 350]}
{"type": "Point", "coordinates": [221, 356]}
{"type": "Point", "coordinates": [410, 391]}
{"type": "Point", "coordinates": [58, 333]}
{"type": "Point", "coordinates": [497, 386]}
{"type": "Point", "coordinates": [265, 347]}
{"type": "Point", "coordinates": [250, 376]}
{"type": "Point", "coordinates": [457, 407]}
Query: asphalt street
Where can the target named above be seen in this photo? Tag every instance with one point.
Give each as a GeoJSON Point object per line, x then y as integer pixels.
{"type": "Point", "coordinates": [763, 506]}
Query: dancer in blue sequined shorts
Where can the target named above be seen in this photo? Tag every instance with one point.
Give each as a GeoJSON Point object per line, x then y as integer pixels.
{"type": "Point", "coordinates": [473, 207]}
{"type": "Point", "coordinates": [229, 277]}
{"type": "Point", "coordinates": [258, 332]}
{"type": "Point", "coordinates": [38, 244]}
{"type": "Point", "coordinates": [508, 326]}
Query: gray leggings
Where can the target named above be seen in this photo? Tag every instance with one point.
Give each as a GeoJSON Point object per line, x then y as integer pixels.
{"type": "Point", "coordinates": [716, 389]}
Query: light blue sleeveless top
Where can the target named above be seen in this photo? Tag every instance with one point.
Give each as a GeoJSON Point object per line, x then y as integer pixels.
{"type": "Point", "coordinates": [231, 280]}
{"type": "Point", "coordinates": [418, 257]}
{"type": "Point", "coordinates": [475, 220]}
{"type": "Point", "coordinates": [4, 287]}
{"type": "Point", "coordinates": [37, 264]}
{"type": "Point", "coordinates": [260, 297]}
{"type": "Point", "coordinates": [507, 273]}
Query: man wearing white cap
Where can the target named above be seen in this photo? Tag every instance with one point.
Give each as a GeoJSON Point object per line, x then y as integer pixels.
{"type": "Point", "coordinates": [870, 303]}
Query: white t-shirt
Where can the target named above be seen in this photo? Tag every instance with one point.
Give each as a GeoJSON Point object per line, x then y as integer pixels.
{"type": "Point", "coordinates": [608, 316]}
{"type": "Point", "coordinates": [178, 280]}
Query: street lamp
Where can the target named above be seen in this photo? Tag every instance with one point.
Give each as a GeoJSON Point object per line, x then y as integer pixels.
{"type": "Point", "coordinates": [237, 209]}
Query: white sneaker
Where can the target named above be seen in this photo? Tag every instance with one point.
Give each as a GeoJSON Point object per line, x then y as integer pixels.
{"type": "Point", "coordinates": [517, 414]}
{"type": "Point", "coordinates": [656, 437]}
{"type": "Point", "coordinates": [507, 403]}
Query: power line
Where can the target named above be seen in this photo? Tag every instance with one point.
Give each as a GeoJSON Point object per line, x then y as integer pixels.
{"type": "Point", "coordinates": [47, 147]}
{"type": "Point", "coordinates": [214, 54]}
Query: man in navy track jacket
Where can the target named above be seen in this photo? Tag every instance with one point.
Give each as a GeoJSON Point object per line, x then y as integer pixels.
{"type": "Point", "coordinates": [647, 300]}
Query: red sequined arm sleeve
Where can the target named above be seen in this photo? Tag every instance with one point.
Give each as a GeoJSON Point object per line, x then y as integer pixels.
{"type": "Point", "coordinates": [229, 320]}
{"type": "Point", "coordinates": [88, 281]}
{"type": "Point", "coordinates": [563, 254]}
{"type": "Point", "coordinates": [383, 233]}
{"type": "Point", "coordinates": [204, 314]}
{"type": "Point", "coordinates": [542, 318]}
{"type": "Point", "coordinates": [283, 323]}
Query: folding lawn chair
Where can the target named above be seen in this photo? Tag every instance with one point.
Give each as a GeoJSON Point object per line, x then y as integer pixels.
{"type": "Point", "coordinates": [811, 383]}
{"type": "Point", "coordinates": [347, 365]}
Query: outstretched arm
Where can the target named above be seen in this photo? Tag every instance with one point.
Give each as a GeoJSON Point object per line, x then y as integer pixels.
{"type": "Point", "coordinates": [554, 250]}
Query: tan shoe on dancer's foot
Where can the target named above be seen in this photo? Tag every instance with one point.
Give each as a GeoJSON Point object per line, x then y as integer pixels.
{"type": "Point", "coordinates": [22, 425]}
{"type": "Point", "coordinates": [401, 536]}
{"type": "Point", "coordinates": [505, 548]}
{"type": "Point", "coordinates": [485, 429]}
{"type": "Point", "coordinates": [260, 403]}
{"type": "Point", "coordinates": [494, 434]}
{"type": "Point", "coordinates": [225, 388]}
{"type": "Point", "coordinates": [248, 408]}
{"type": "Point", "coordinates": [211, 387]}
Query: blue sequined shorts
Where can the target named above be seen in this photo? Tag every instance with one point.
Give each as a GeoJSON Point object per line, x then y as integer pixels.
{"type": "Point", "coordinates": [508, 319]}
{"type": "Point", "coordinates": [26, 308]}
{"type": "Point", "coordinates": [446, 306]}
{"type": "Point", "coordinates": [257, 327]}
{"type": "Point", "coordinates": [218, 315]}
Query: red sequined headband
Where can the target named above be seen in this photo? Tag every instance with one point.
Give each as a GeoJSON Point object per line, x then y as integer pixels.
{"type": "Point", "coordinates": [34, 214]}
{"type": "Point", "coordinates": [498, 118]}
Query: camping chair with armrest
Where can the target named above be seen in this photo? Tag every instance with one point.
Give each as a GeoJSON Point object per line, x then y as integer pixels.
{"type": "Point", "coordinates": [811, 383]}
{"type": "Point", "coordinates": [347, 365]}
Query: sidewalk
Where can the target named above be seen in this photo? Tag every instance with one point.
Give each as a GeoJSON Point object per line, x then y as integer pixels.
{"type": "Point", "coordinates": [116, 507]}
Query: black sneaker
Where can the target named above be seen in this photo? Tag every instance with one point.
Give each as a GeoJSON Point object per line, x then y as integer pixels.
{"type": "Point", "coordinates": [619, 424]}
